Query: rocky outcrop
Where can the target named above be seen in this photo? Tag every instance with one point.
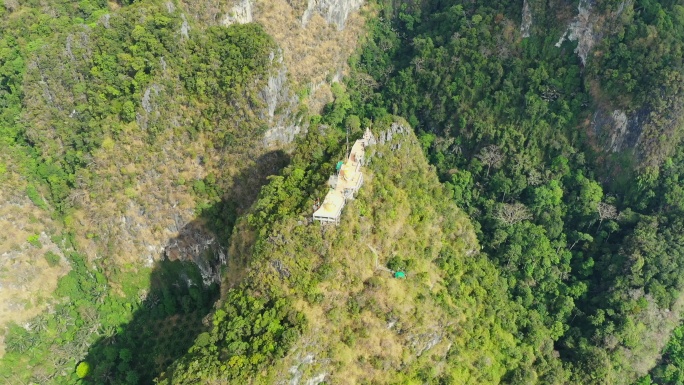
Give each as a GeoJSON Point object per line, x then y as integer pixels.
{"type": "Point", "coordinates": [582, 30]}
{"type": "Point", "coordinates": [526, 20]}
{"type": "Point", "coordinates": [333, 11]}
{"type": "Point", "coordinates": [241, 13]}
{"type": "Point", "coordinates": [185, 28]}
{"type": "Point", "coordinates": [299, 370]}
{"type": "Point", "coordinates": [281, 104]}
{"type": "Point", "coordinates": [194, 243]}
{"type": "Point", "coordinates": [391, 133]}
{"type": "Point", "coordinates": [589, 26]}
{"type": "Point", "coordinates": [618, 130]}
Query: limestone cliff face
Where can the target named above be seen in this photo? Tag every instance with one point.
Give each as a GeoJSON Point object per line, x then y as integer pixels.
{"type": "Point", "coordinates": [333, 11]}
{"type": "Point", "coordinates": [621, 131]}
{"type": "Point", "coordinates": [584, 29]}
{"type": "Point", "coordinates": [316, 38]}
{"type": "Point", "coordinates": [240, 13]}
{"type": "Point", "coordinates": [281, 104]}
{"type": "Point", "coordinates": [614, 127]}
{"type": "Point", "coordinates": [526, 23]}
{"type": "Point", "coordinates": [316, 42]}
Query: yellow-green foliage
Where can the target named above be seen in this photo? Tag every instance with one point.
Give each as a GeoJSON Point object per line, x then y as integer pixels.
{"type": "Point", "coordinates": [83, 369]}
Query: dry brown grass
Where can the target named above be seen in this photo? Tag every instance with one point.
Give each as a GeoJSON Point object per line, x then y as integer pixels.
{"type": "Point", "coordinates": [26, 279]}
{"type": "Point", "coordinates": [113, 5]}
{"type": "Point", "coordinates": [313, 55]}
{"type": "Point", "coordinates": [134, 200]}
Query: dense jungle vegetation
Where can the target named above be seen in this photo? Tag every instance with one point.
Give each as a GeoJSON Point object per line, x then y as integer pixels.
{"type": "Point", "coordinates": [590, 244]}
{"type": "Point", "coordinates": [541, 257]}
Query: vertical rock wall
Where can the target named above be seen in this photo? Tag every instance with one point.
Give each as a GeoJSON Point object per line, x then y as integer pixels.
{"type": "Point", "coordinates": [333, 11]}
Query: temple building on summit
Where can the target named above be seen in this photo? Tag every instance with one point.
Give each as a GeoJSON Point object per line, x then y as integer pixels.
{"type": "Point", "coordinates": [345, 183]}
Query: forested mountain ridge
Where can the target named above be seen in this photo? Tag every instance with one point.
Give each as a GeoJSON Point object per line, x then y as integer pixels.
{"type": "Point", "coordinates": [135, 135]}
{"type": "Point", "coordinates": [328, 285]}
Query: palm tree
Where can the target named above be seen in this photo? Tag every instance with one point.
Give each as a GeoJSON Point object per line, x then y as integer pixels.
{"type": "Point", "coordinates": [38, 323]}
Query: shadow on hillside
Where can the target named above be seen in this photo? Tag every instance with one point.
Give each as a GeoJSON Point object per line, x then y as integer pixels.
{"type": "Point", "coordinates": [184, 286]}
